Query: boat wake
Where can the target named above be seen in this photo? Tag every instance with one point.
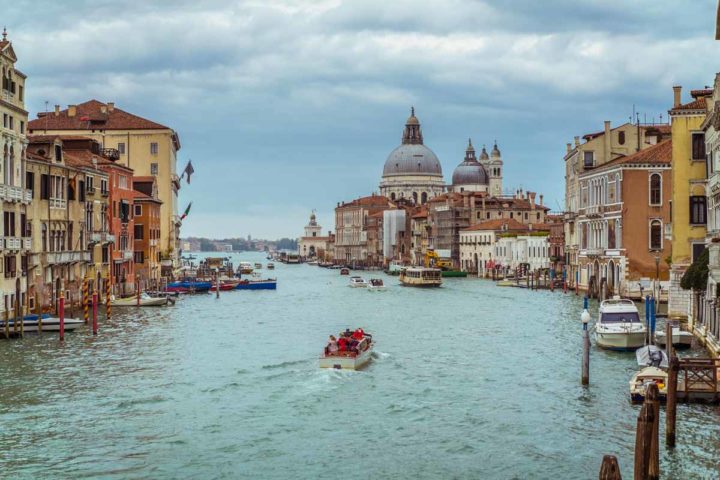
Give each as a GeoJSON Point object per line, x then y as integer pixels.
{"type": "Point", "coordinates": [289, 363]}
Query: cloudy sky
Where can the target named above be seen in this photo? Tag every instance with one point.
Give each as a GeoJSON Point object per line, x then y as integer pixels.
{"type": "Point", "coordinates": [289, 106]}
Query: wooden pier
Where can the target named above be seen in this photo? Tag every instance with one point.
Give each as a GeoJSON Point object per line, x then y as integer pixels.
{"type": "Point", "coordinates": [698, 380]}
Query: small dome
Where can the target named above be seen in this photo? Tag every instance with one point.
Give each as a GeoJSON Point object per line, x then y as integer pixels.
{"type": "Point", "coordinates": [470, 171]}
{"type": "Point", "coordinates": [495, 151]}
{"type": "Point", "coordinates": [484, 154]}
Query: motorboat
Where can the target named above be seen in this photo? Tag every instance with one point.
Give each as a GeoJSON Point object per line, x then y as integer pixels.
{"type": "Point", "coordinates": [245, 268]}
{"type": "Point", "coordinates": [655, 363]}
{"type": "Point", "coordinates": [271, 266]}
{"type": "Point", "coordinates": [225, 286]}
{"type": "Point", "coordinates": [421, 277]}
{"type": "Point", "coordinates": [358, 282]}
{"type": "Point", "coordinates": [49, 324]}
{"type": "Point", "coordinates": [258, 266]}
{"type": "Point", "coordinates": [680, 338]}
{"type": "Point", "coordinates": [394, 268]}
{"type": "Point", "coordinates": [188, 286]}
{"type": "Point", "coordinates": [313, 262]}
{"type": "Point", "coordinates": [145, 300]}
{"type": "Point", "coordinates": [505, 283]}
{"type": "Point", "coordinates": [353, 359]}
{"type": "Point", "coordinates": [266, 284]}
{"type": "Point", "coordinates": [344, 271]}
{"type": "Point", "coordinates": [376, 285]}
{"type": "Point", "coordinates": [618, 326]}
{"type": "Point", "coordinates": [293, 258]}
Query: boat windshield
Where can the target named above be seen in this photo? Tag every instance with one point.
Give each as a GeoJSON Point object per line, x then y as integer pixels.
{"type": "Point", "coordinates": [620, 317]}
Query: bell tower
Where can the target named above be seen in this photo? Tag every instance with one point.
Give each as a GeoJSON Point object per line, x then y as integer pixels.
{"type": "Point", "coordinates": [495, 171]}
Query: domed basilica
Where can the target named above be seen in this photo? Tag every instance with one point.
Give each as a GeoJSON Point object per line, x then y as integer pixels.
{"type": "Point", "coordinates": [413, 171]}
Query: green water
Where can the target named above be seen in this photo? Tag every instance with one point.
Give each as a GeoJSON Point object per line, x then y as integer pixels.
{"type": "Point", "coordinates": [467, 381]}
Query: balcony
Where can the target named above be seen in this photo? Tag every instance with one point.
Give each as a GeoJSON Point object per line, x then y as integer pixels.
{"type": "Point", "coordinates": [99, 237]}
{"type": "Point", "coordinates": [153, 242]}
{"type": "Point", "coordinates": [90, 190]}
{"type": "Point", "coordinates": [593, 211]}
{"type": "Point", "coordinates": [111, 153]}
{"type": "Point", "coordinates": [57, 258]}
{"type": "Point", "coordinates": [58, 203]}
{"type": "Point", "coordinates": [14, 243]}
{"type": "Point", "coordinates": [592, 252]}
{"type": "Point", "coordinates": [127, 255]}
{"type": "Point", "coordinates": [11, 193]}
{"type": "Point", "coordinates": [105, 193]}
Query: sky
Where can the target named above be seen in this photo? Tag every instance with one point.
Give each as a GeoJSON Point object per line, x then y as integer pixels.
{"type": "Point", "coordinates": [289, 106]}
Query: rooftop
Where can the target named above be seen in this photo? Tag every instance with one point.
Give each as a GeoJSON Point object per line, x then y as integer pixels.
{"type": "Point", "coordinates": [92, 115]}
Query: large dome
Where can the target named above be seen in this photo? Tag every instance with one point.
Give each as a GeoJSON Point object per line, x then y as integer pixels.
{"type": "Point", "coordinates": [412, 159]}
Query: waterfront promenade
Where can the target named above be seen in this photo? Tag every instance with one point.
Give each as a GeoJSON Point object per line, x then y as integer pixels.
{"type": "Point", "coordinates": [467, 381]}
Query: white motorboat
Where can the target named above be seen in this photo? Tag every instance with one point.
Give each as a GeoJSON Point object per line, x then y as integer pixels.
{"type": "Point", "coordinates": [618, 326]}
{"type": "Point", "coordinates": [258, 266]}
{"type": "Point", "coordinates": [680, 338]}
{"type": "Point", "coordinates": [655, 363]}
{"type": "Point", "coordinates": [376, 285]}
{"type": "Point", "coordinates": [358, 282]}
{"type": "Point", "coordinates": [421, 277]}
{"type": "Point", "coordinates": [271, 266]}
{"type": "Point", "coordinates": [49, 324]}
{"type": "Point", "coordinates": [349, 360]}
{"type": "Point", "coordinates": [145, 301]}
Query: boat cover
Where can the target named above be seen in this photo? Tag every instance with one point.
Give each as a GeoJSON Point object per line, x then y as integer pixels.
{"type": "Point", "coordinates": [651, 356]}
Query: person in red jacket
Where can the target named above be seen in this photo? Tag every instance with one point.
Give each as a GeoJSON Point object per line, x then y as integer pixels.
{"type": "Point", "coordinates": [358, 334]}
{"type": "Point", "coordinates": [342, 344]}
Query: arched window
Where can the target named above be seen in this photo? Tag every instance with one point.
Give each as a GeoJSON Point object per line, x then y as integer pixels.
{"type": "Point", "coordinates": [655, 189]}
{"type": "Point", "coordinates": [621, 138]}
{"type": "Point", "coordinates": [392, 196]}
{"type": "Point", "coordinates": [655, 235]}
{"type": "Point", "coordinates": [423, 197]}
{"type": "Point", "coordinates": [415, 197]}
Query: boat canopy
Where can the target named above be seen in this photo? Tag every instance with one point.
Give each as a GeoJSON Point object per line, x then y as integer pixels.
{"type": "Point", "coordinates": [651, 356]}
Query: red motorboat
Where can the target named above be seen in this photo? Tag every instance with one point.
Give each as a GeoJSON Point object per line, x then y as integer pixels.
{"type": "Point", "coordinates": [224, 286]}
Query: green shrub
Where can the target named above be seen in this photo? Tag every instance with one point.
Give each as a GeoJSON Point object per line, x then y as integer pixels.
{"type": "Point", "coordinates": [696, 276]}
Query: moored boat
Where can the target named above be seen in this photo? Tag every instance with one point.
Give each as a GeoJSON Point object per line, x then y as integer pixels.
{"type": "Point", "coordinates": [144, 301]}
{"type": "Point", "coordinates": [245, 268]}
{"type": "Point", "coordinates": [266, 284]}
{"type": "Point", "coordinates": [394, 268]}
{"type": "Point", "coordinates": [618, 326]}
{"type": "Point", "coordinates": [421, 277]}
{"type": "Point", "coordinates": [680, 338]}
{"type": "Point", "coordinates": [376, 285]}
{"type": "Point", "coordinates": [258, 266]}
{"type": "Point", "coordinates": [655, 363]}
{"type": "Point", "coordinates": [357, 282]}
{"type": "Point", "coordinates": [225, 286]}
{"type": "Point", "coordinates": [49, 324]}
{"type": "Point", "coordinates": [351, 352]}
{"type": "Point", "coordinates": [454, 274]}
{"type": "Point", "coordinates": [188, 286]}
{"type": "Point", "coordinates": [505, 283]}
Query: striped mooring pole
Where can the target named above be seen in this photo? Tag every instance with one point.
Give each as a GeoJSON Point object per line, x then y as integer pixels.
{"type": "Point", "coordinates": [85, 301]}
{"type": "Point", "coordinates": [107, 297]}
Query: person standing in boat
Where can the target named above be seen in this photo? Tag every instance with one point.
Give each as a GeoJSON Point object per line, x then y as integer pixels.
{"type": "Point", "coordinates": [332, 346]}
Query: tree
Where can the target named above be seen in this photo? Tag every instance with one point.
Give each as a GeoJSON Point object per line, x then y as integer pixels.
{"type": "Point", "coordinates": [696, 275]}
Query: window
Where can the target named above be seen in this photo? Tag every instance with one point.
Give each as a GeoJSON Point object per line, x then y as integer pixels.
{"type": "Point", "coordinates": [44, 187]}
{"type": "Point", "coordinates": [58, 153]}
{"type": "Point", "coordinates": [153, 169]}
{"type": "Point", "coordinates": [81, 191]}
{"type": "Point", "coordinates": [139, 232]}
{"type": "Point", "coordinates": [103, 186]}
{"type": "Point", "coordinates": [21, 93]}
{"type": "Point", "coordinates": [655, 189]}
{"type": "Point", "coordinates": [153, 148]}
{"type": "Point", "coordinates": [140, 257]}
{"type": "Point", "coordinates": [121, 148]}
{"type": "Point", "coordinates": [30, 183]}
{"type": "Point", "coordinates": [698, 146]}
{"type": "Point", "coordinates": [698, 209]}
{"type": "Point", "coordinates": [138, 210]}
{"type": "Point", "coordinates": [122, 181]}
{"type": "Point", "coordinates": [22, 126]}
{"type": "Point", "coordinates": [656, 235]}
{"type": "Point", "coordinates": [697, 250]}
{"type": "Point", "coordinates": [124, 212]}
{"type": "Point", "coordinates": [621, 138]}
{"type": "Point", "coordinates": [589, 159]}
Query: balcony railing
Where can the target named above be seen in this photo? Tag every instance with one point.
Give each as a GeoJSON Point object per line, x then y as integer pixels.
{"type": "Point", "coordinates": [10, 193]}
{"type": "Point", "coordinates": [57, 203]}
{"type": "Point", "coordinates": [128, 255]}
{"type": "Point", "coordinates": [90, 190]}
{"type": "Point", "coordinates": [98, 237]}
{"type": "Point", "coordinates": [11, 243]}
{"type": "Point", "coordinates": [111, 153]}
{"type": "Point", "coordinates": [54, 258]}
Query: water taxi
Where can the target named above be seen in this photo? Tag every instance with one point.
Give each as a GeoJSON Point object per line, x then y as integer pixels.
{"type": "Point", "coordinates": [421, 277]}
{"type": "Point", "coordinates": [655, 363]}
{"type": "Point", "coordinates": [245, 268]}
{"type": "Point", "coordinates": [144, 301]}
{"type": "Point", "coordinates": [619, 326]}
{"type": "Point", "coordinates": [344, 271]}
{"type": "Point", "coordinates": [376, 285]}
{"type": "Point", "coordinates": [353, 359]}
{"type": "Point", "coordinates": [271, 266]}
{"type": "Point", "coordinates": [357, 282]}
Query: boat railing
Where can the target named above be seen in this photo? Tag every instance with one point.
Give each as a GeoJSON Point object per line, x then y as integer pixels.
{"type": "Point", "coordinates": [616, 302]}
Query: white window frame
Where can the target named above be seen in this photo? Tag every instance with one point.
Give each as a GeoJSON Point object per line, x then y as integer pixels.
{"type": "Point", "coordinates": [662, 239]}
{"type": "Point", "coordinates": [650, 189]}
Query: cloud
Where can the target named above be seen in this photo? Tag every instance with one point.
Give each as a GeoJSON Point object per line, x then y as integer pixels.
{"type": "Point", "coordinates": [294, 104]}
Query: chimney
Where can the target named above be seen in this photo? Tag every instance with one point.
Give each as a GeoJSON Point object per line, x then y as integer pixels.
{"type": "Point", "coordinates": [72, 110]}
{"type": "Point", "coordinates": [103, 109]}
{"type": "Point", "coordinates": [577, 141]}
{"type": "Point", "coordinates": [57, 110]}
{"type": "Point", "coordinates": [607, 142]}
{"type": "Point", "coordinates": [568, 148]}
{"type": "Point", "coordinates": [541, 200]}
{"type": "Point", "coordinates": [111, 106]}
{"type": "Point", "coordinates": [531, 197]}
{"type": "Point", "coordinates": [677, 95]}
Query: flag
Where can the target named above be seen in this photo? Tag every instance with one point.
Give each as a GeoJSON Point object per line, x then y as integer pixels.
{"type": "Point", "coordinates": [189, 170]}
{"type": "Point", "coordinates": [185, 213]}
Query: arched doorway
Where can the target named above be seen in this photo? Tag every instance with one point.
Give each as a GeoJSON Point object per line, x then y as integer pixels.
{"type": "Point", "coordinates": [312, 250]}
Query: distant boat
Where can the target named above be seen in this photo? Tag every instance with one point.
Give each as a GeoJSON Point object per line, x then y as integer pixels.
{"type": "Point", "coordinates": [358, 282]}
{"type": "Point", "coordinates": [188, 286]}
{"type": "Point", "coordinates": [421, 277]}
{"type": "Point", "coordinates": [258, 266]}
{"type": "Point", "coordinates": [271, 266]}
{"type": "Point", "coordinates": [618, 326]}
{"type": "Point", "coordinates": [267, 284]}
{"type": "Point", "coordinates": [145, 301]}
{"type": "Point", "coordinates": [376, 285]}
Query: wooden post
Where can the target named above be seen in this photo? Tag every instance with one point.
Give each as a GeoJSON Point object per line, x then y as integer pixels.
{"type": "Point", "coordinates": [671, 405]}
{"type": "Point", "coordinates": [7, 323]}
{"type": "Point", "coordinates": [61, 314]}
{"type": "Point", "coordinates": [107, 297]}
{"type": "Point", "coordinates": [95, 311]}
{"type": "Point", "coordinates": [610, 470]}
{"type": "Point", "coordinates": [38, 309]}
{"type": "Point", "coordinates": [217, 284]}
{"type": "Point", "coordinates": [668, 339]}
{"type": "Point", "coordinates": [85, 301]}
{"type": "Point", "coordinates": [137, 288]}
{"type": "Point", "coordinates": [643, 437]}
{"type": "Point", "coordinates": [585, 318]}
{"type": "Point", "coordinates": [652, 397]}
{"type": "Point", "coordinates": [18, 317]}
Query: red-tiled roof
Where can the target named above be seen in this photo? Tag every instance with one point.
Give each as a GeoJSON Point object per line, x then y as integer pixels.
{"type": "Point", "coordinates": [148, 178]}
{"type": "Point", "coordinates": [698, 104]}
{"type": "Point", "coordinates": [422, 213]}
{"type": "Point", "coordinates": [660, 154]}
{"type": "Point", "coordinates": [369, 201]}
{"type": "Point", "coordinates": [703, 92]}
{"type": "Point", "coordinates": [497, 224]}
{"type": "Point", "coordinates": [89, 115]}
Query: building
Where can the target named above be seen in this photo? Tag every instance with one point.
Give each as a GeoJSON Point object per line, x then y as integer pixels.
{"type": "Point", "coordinates": [147, 217]}
{"type": "Point", "coordinates": [146, 147]}
{"type": "Point", "coordinates": [624, 207]}
{"type": "Point", "coordinates": [527, 251]}
{"type": "Point", "coordinates": [15, 238]}
{"type": "Point", "coordinates": [689, 199]}
{"type": "Point", "coordinates": [121, 198]}
{"type": "Point", "coordinates": [313, 245]}
{"type": "Point", "coordinates": [420, 231]}
{"type": "Point", "coordinates": [597, 149]}
{"type": "Point", "coordinates": [556, 226]}
{"type": "Point", "coordinates": [477, 244]}
{"type": "Point", "coordinates": [412, 170]}
{"type": "Point", "coordinates": [71, 240]}
{"type": "Point", "coordinates": [351, 230]}
{"type": "Point", "coordinates": [470, 175]}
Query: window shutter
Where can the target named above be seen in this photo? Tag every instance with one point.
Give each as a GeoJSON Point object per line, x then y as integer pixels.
{"type": "Point", "coordinates": [44, 187]}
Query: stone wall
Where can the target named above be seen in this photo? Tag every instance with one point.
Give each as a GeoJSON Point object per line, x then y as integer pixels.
{"type": "Point", "coordinates": [679, 299]}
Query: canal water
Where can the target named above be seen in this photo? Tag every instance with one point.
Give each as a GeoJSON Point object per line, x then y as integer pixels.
{"type": "Point", "coordinates": [467, 381]}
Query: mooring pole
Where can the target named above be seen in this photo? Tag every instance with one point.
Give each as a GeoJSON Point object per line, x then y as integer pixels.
{"type": "Point", "coordinates": [61, 312]}
{"type": "Point", "coordinates": [610, 470]}
{"type": "Point", "coordinates": [585, 318]}
{"type": "Point", "coordinates": [95, 311]}
{"type": "Point", "coordinates": [643, 437]}
{"type": "Point", "coordinates": [668, 339]}
{"type": "Point", "coordinates": [671, 404]}
{"type": "Point", "coordinates": [652, 396]}
{"type": "Point", "coordinates": [85, 301]}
